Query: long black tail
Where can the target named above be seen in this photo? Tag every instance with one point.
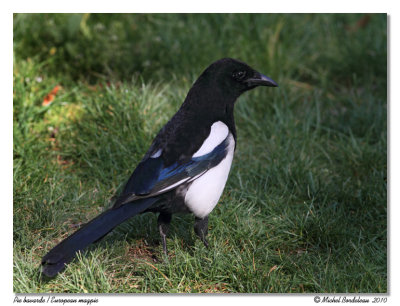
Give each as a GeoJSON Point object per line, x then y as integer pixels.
{"type": "Point", "coordinates": [55, 260]}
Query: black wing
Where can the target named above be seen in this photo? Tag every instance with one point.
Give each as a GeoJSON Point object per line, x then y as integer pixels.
{"type": "Point", "coordinates": [152, 178]}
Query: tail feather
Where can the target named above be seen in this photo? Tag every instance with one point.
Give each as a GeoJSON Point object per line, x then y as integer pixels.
{"type": "Point", "coordinates": [55, 260]}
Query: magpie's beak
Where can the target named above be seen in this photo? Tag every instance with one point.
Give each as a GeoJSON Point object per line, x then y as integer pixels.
{"type": "Point", "coordinates": [261, 80]}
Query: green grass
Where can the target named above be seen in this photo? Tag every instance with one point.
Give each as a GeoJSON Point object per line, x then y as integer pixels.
{"type": "Point", "coordinates": [304, 209]}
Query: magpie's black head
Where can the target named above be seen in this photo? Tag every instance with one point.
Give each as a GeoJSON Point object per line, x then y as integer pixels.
{"type": "Point", "coordinates": [233, 77]}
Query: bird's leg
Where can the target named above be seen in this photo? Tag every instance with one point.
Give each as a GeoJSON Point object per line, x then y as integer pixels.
{"type": "Point", "coordinates": [201, 229]}
{"type": "Point", "coordinates": [163, 225]}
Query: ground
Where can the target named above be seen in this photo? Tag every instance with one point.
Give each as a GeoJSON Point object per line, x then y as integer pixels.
{"type": "Point", "coordinates": [305, 206]}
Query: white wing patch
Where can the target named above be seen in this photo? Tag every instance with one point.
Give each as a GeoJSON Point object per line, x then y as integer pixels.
{"type": "Point", "coordinates": [203, 194]}
{"type": "Point", "coordinates": [157, 154]}
{"type": "Point", "coordinates": [219, 131]}
{"type": "Point", "coordinates": [173, 185]}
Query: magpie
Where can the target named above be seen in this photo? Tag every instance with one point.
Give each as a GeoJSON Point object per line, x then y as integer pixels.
{"type": "Point", "coordinates": [186, 167]}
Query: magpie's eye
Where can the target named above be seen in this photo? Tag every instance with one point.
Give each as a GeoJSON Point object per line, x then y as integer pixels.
{"type": "Point", "coordinates": [239, 75]}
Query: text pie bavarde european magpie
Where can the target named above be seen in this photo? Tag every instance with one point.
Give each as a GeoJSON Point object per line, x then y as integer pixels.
{"type": "Point", "coordinates": [186, 166]}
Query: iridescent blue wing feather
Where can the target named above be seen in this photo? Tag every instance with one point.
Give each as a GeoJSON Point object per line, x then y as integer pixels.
{"type": "Point", "coordinates": [151, 178]}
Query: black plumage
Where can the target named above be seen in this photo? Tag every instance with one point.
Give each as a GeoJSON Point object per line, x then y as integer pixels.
{"type": "Point", "coordinates": [173, 170]}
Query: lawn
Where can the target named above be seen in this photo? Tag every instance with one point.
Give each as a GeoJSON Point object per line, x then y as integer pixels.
{"type": "Point", "coordinates": [305, 206]}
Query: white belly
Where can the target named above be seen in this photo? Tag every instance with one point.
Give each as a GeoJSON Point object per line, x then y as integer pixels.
{"type": "Point", "coordinates": [203, 194]}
